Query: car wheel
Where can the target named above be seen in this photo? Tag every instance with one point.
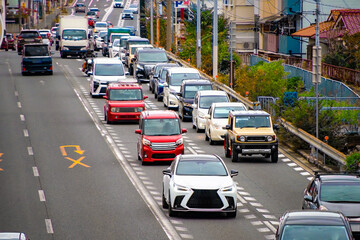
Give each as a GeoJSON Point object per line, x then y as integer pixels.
{"type": "Point", "coordinates": [6, 49]}
{"type": "Point", "coordinates": [206, 136]}
{"type": "Point", "coordinates": [226, 148]}
{"type": "Point", "coordinates": [197, 127]}
{"type": "Point", "coordinates": [274, 156]}
{"type": "Point", "coordinates": [51, 73]}
{"type": "Point", "coordinates": [155, 95]}
{"type": "Point", "coordinates": [107, 121]}
{"type": "Point", "coordinates": [211, 142]}
{"type": "Point", "coordinates": [193, 124]}
{"type": "Point", "coordinates": [234, 154]}
{"type": "Point", "coordinates": [171, 212]}
{"type": "Point", "coordinates": [165, 205]}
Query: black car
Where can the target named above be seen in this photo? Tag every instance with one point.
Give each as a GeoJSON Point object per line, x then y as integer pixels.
{"type": "Point", "coordinates": [335, 192]}
{"type": "Point", "coordinates": [313, 225]}
{"type": "Point", "coordinates": [28, 36]}
{"type": "Point", "coordinates": [188, 89]}
{"type": "Point", "coordinates": [145, 59]}
{"type": "Point", "coordinates": [154, 74]}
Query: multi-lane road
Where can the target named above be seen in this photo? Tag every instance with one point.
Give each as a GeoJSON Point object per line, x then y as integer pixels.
{"type": "Point", "coordinates": [66, 174]}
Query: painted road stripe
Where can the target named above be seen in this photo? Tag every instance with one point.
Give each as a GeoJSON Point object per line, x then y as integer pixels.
{"type": "Point", "coordinates": [265, 229]}
{"type": "Point", "coordinates": [269, 216]}
{"type": "Point", "coordinates": [255, 204]}
{"type": "Point", "coordinates": [272, 228]}
{"type": "Point", "coordinates": [250, 198]}
{"type": "Point", "coordinates": [19, 104]}
{"type": "Point", "coordinates": [30, 151]}
{"type": "Point", "coordinates": [186, 236]}
{"type": "Point", "coordinates": [49, 227]}
{"type": "Point", "coordinates": [35, 171]}
{"type": "Point", "coordinates": [42, 196]}
{"type": "Point", "coordinates": [256, 223]}
{"type": "Point", "coordinates": [292, 164]}
{"type": "Point", "coordinates": [244, 210]}
{"type": "Point", "coordinates": [298, 169]}
{"type": "Point", "coordinates": [16, 94]}
{"type": "Point", "coordinates": [251, 216]}
{"type": "Point", "coordinates": [285, 160]}
{"type": "Point", "coordinates": [26, 133]}
{"type": "Point", "coordinates": [305, 173]}
{"type": "Point", "coordinates": [22, 117]}
{"type": "Point", "coordinates": [181, 229]}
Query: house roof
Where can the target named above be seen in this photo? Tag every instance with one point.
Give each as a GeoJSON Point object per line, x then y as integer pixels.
{"type": "Point", "coordinates": [310, 30]}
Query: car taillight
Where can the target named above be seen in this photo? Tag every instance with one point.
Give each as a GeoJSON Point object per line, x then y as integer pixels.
{"type": "Point", "coordinates": [19, 37]}
{"type": "Point", "coordinates": [39, 37]}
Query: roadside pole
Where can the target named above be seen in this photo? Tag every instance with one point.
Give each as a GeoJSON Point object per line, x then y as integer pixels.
{"type": "Point", "coordinates": [152, 22]}
{"type": "Point", "coordinates": [198, 35]}
{"type": "Point", "coordinates": [215, 41]}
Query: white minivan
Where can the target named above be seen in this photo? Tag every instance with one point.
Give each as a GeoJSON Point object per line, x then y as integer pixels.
{"type": "Point", "coordinates": [174, 77]}
{"type": "Point", "coordinates": [105, 71]}
{"type": "Point", "coordinates": [202, 103]}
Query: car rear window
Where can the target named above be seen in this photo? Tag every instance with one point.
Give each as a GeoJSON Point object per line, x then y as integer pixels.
{"type": "Point", "coordinates": [29, 34]}
{"type": "Point", "coordinates": [340, 192]}
{"type": "Point", "coordinates": [41, 50]}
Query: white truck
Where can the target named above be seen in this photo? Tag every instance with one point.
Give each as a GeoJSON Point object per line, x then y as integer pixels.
{"type": "Point", "coordinates": [73, 35]}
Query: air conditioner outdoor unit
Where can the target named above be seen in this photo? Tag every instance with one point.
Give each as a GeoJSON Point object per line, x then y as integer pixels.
{"type": "Point", "coordinates": [246, 45]}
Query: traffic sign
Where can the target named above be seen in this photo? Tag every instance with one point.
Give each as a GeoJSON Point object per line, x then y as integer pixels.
{"type": "Point", "coordinates": [181, 4]}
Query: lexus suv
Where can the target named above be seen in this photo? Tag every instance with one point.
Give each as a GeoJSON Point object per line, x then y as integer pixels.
{"type": "Point", "coordinates": [160, 136]}
{"type": "Point", "coordinates": [123, 101]}
{"type": "Point", "coordinates": [335, 192]}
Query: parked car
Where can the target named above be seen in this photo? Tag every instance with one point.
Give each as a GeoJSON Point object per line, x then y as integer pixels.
{"type": "Point", "coordinates": [96, 10]}
{"type": "Point", "coordinates": [155, 73]}
{"type": "Point", "coordinates": [134, 8]}
{"type": "Point", "coordinates": [79, 7]}
{"type": "Point", "coordinates": [202, 103]}
{"type": "Point", "coordinates": [28, 36]}
{"type": "Point", "coordinates": [313, 225]}
{"type": "Point", "coordinates": [251, 133]}
{"type": "Point", "coordinates": [36, 58]}
{"type": "Point", "coordinates": [199, 183]}
{"type": "Point", "coordinates": [335, 192]}
{"type": "Point", "coordinates": [5, 44]}
{"type": "Point", "coordinates": [118, 3]}
{"type": "Point", "coordinates": [127, 14]}
{"type": "Point", "coordinates": [188, 89]}
{"type": "Point", "coordinates": [173, 80]}
{"type": "Point", "coordinates": [217, 119]}
{"type": "Point", "coordinates": [11, 41]}
{"type": "Point", "coordinates": [145, 59]}
{"type": "Point", "coordinates": [105, 71]}
{"type": "Point", "coordinates": [123, 101]}
{"type": "Point", "coordinates": [13, 236]}
{"type": "Point", "coordinates": [160, 136]}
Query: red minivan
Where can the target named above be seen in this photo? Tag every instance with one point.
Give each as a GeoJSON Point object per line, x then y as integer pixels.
{"type": "Point", "coordinates": [160, 136]}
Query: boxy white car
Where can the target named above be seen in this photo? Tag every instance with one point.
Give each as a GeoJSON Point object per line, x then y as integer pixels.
{"type": "Point", "coordinates": [217, 118]}
{"type": "Point", "coordinates": [202, 103]}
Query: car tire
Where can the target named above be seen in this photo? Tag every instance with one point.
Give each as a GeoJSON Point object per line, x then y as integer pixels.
{"type": "Point", "coordinates": [274, 156]}
{"type": "Point", "coordinates": [206, 136]}
{"type": "Point", "coordinates": [234, 154]}
{"type": "Point", "coordinates": [51, 73]}
{"type": "Point", "coordinates": [165, 205]}
{"type": "Point", "coordinates": [171, 212]}
{"type": "Point", "coordinates": [197, 127]}
{"type": "Point", "coordinates": [6, 49]}
{"type": "Point", "coordinates": [211, 142]}
{"type": "Point", "coordinates": [226, 148]}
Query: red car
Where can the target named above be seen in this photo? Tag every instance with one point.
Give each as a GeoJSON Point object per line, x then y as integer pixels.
{"type": "Point", "coordinates": [123, 101]}
{"type": "Point", "coordinates": [160, 136]}
{"type": "Point", "coordinates": [91, 22]}
{"type": "Point", "coordinates": [4, 44]}
{"type": "Point", "coordinates": [11, 41]}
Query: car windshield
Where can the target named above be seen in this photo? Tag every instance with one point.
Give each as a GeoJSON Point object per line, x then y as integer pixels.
{"type": "Point", "coordinates": [133, 6]}
{"type": "Point", "coordinates": [252, 121]}
{"type": "Point", "coordinates": [44, 35]}
{"type": "Point", "coordinates": [101, 25]}
{"type": "Point", "coordinates": [40, 50]}
{"type": "Point", "coordinates": [94, 9]}
{"type": "Point", "coordinates": [127, 11]}
{"type": "Point", "coordinates": [116, 43]}
{"type": "Point", "coordinates": [75, 35]}
{"type": "Point", "coordinates": [91, 13]}
{"type": "Point", "coordinates": [206, 101]}
{"type": "Point", "coordinates": [314, 232]}
{"type": "Point", "coordinates": [138, 42]}
{"type": "Point", "coordinates": [102, 34]}
{"type": "Point", "coordinates": [201, 168]}
{"type": "Point", "coordinates": [191, 90]}
{"type": "Point", "coordinates": [153, 56]}
{"type": "Point", "coordinates": [176, 78]}
{"type": "Point", "coordinates": [109, 69]}
{"type": "Point", "coordinates": [125, 94]}
{"type": "Point", "coordinates": [340, 192]}
{"type": "Point", "coordinates": [223, 112]}
{"type": "Point", "coordinates": [29, 34]}
{"type": "Point", "coordinates": [123, 41]}
{"type": "Point", "coordinates": [118, 36]}
{"type": "Point", "coordinates": [162, 127]}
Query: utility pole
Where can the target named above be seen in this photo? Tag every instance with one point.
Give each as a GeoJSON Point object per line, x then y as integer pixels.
{"type": "Point", "coordinates": [168, 24]}
{"type": "Point", "coordinates": [215, 41]}
{"type": "Point", "coordinates": [231, 73]}
{"type": "Point", "coordinates": [152, 22]}
{"type": "Point", "coordinates": [256, 27]}
{"type": "Point", "coordinates": [157, 24]}
{"type": "Point", "coordinates": [198, 35]}
{"type": "Point", "coordinates": [317, 70]}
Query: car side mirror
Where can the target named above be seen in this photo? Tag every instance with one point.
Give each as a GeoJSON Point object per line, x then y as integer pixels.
{"type": "Point", "coordinates": [194, 105]}
{"type": "Point", "coordinates": [138, 131]}
{"type": "Point", "coordinates": [105, 97]}
{"type": "Point", "coordinates": [233, 173]}
{"type": "Point", "coordinates": [308, 198]}
{"type": "Point", "coordinates": [90, 73]}
{"type": "Point", "coordinates": [179, 94]}
{"type": "Point", "coordinates": [145, 97]}
{"type": "Point", "coordinates": [167, 172]}
{"type": "Point", "coordinates": [127, 54]}
{"type": "Point", "coordinates": [184, 130]}
{"type": "Point", "coordinates": [127, 73]}
{"type": "Point", "coordinates": [133, 60]}
{"type": "Point", "coordinates": [228, 127]}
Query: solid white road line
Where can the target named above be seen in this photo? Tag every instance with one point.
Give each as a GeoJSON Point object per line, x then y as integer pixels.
{"type": "Point", "coordinates": [49, 227]}
{"type": "Point", "coordinates": [42, 196]}
{"type": "Point", "coordinates": [35, 171]}
{"type": "Point", "coordinates": [30, 151]}
{"type": "Point", "coordinates": [26, 133]}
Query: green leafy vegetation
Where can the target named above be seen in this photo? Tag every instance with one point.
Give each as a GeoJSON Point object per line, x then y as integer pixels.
{"type": "Point", "coordinates": [353, 162]}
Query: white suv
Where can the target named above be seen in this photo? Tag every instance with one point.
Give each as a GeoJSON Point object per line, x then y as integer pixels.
{"type": "Point", "coordinates": [202, 103]}
{"type": "Point", "coordinates": [172, 84]}
{"type": "Point", "coordinates": [105, 71]}
{"type": "Point", "coordinates": [217, 118]}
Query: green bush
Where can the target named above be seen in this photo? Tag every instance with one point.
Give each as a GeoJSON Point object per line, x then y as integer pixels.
{"type": "Point", "coordinates": [353, 162]}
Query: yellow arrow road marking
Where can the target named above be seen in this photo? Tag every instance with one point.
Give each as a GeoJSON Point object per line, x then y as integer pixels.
{"type": "Point", "coordinates": [78, 161]}
{"type": "Point", "coordinates": [77, 147]}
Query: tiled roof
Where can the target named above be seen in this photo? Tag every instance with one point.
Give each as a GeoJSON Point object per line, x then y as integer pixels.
{"type": "Point", "coordinates": [310, 30]}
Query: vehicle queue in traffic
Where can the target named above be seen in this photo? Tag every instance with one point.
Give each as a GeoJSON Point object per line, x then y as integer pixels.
{"type": "Point", "coordinates": [196, 183]}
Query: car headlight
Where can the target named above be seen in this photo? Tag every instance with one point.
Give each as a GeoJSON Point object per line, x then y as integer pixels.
{"type": "Point", "coordinates": [187, 105]}
{"type": "Point", "coordinates": [84, 48]}
{"type": "Point", "coordinates": [140, 67]}
{"type": "Point", "coordinates": [201, 115]}
{"type": "Point", "coordinates": [269, 138]}
{"type": "Point", "coordinates": [139, 109]}
{"type": "Point", "coordinates": [179, 141]}
{"type": "Point", "coordinates": [241, 138]}
{"type": "Point", "coordinates": [181, 188]}
{"type": "Point", "coordinates": [115, 109]}
{"type": "Point", "coordinates": [323, 208]}
{"type": "Point", "coordinates": [146, 142]}
{"type": "Point", "coordinates": [227, 189]}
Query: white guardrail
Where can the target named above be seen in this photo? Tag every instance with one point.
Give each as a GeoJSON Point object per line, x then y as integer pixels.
{"type": "Point", "coordinates": [310, 139]}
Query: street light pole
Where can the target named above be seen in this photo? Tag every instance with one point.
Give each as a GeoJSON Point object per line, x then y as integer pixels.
{"type": "Point", "coordinates": [215, 41]}
{"type": "Point", "coordinates": [151, 22]}
{"type": "Point", "coordinates": [198, 35]}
